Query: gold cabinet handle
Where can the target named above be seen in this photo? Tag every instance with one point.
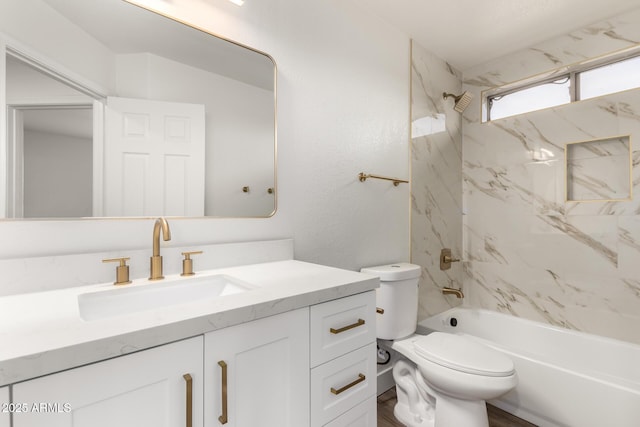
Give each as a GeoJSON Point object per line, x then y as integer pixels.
{"type": "Point", "coordinates": [189, 406]}
{"type": "Point", "coordinates": [379, 310]}
{"type": "Point", "coordinates": [360, 322]}
{"type": "Point", "coordinates": [348, 386]}
{"type": "Point", "coordinates": [223, 418]}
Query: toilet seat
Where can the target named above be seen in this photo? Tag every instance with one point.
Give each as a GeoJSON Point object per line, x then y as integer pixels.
{"type": "Point", "coordinates": [462, 354]}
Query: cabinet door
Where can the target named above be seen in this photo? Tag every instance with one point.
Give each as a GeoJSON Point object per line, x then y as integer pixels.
{"type": "Point", "coordinates": [144, 389]}
{"type": "Point", "coordinates": [5, 409]}
{"type": "Point", "coordinates": [267, 373]}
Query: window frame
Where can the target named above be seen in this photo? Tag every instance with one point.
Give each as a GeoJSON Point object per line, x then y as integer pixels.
{"type": "Point", "coordinates": [572, 72]}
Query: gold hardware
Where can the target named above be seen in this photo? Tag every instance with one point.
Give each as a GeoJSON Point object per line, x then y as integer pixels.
{"type": "Point", "coordinates": [223, 418]}
{"type": "Point", "coordinates": [379, 310]}
{"type": "Point", "coordinates": [446, 259]}
{"type": "Point", "coordinates": [450, 291]}
{"type": "Point", "coordinates": [363, 177]}
{"type": "Point", "coordinates": [270, 190]}
{"type": "Point", "coordinates": [156, 259]}
{"type": "Point", "coordinates": [189, 406]}
{"type": "Point", "coordinates": [187, 263]}
{"type": "Point", "coordinates": [122, 271]}
{"type": "Point", "coordinates": [348, 386]}
{"type": "Point", "coordinates": [245, 189]}
{"type": "Point", "coordinates": [360, 322]}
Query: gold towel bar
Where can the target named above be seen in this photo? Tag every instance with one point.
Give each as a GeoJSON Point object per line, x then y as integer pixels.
{"type": "Point", "coordinates": [363, 177]}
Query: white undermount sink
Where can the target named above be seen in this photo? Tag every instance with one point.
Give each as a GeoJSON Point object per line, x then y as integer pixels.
{"type": "Point", "coordinates": [128, 299]}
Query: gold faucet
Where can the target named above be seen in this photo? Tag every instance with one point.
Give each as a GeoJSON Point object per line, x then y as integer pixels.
{"type": "Point", "coordinates": [156, 259]}
{"type": "Point", "coordinates": [450, 291]}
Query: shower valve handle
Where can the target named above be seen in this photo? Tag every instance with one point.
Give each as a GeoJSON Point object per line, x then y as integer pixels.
{"type": "Point", "coordinates": [446, 259]}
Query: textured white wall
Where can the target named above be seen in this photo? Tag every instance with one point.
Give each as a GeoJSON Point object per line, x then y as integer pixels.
{"type": "Point", "coordinates": [57, 175]}
{"type": "Point", "coordinates": [343, 108]}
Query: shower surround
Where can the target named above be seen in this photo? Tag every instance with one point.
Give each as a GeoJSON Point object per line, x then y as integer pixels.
{"type": "Point", "coordinates": [436, 178]}
{"type": "Point", "coordinates": [528, 252]}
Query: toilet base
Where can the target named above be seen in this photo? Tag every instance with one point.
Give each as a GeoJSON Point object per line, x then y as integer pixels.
{"type": "Point", "coordinates": [419, 405]}
{"type": "Point", "coordinates": [406, 417]}
{"type": "Point", "coordinates": [451, 412]}
{"type": "Point", "coordinates": [448, 413]}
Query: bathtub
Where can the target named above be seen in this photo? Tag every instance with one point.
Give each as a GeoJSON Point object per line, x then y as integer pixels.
{"type": "Point", "coordinates": [565, 378]}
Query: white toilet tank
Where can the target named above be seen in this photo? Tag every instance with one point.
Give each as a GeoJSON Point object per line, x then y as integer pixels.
{"type": "Point", "coordinates": [398, 297]}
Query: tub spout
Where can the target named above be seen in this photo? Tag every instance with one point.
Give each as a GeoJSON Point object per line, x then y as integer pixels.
{"type": "Point", "coordinates": [450, 291]}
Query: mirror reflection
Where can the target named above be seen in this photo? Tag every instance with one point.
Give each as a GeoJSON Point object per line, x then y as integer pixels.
{"type": "Point", "coordinates": [115, 111]}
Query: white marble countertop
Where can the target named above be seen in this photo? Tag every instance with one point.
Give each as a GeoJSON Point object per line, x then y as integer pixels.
{"type": "Point", "coordinates": [42, 333]}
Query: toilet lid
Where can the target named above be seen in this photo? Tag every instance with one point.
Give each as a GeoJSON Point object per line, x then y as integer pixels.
{"type": "Point", "coordinates": [463, 354]}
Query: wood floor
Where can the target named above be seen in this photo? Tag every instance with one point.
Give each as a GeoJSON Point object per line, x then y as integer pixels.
{"type": "Point", "coordinates": [497, 417]}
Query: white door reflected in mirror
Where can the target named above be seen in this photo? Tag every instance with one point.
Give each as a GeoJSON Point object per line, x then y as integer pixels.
{"type": "Point", "coordinates": [153, 158]}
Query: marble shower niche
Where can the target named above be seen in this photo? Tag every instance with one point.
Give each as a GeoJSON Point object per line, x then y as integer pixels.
{"type": "Point", "coordinates": [599, 170]}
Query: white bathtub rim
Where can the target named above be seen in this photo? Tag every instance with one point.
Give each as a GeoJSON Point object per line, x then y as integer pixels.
{"type": "Point", "coordinates": [598, 375]}
{"type": "Point", "coordinates": [621, 383]}
{"type": "Point", "coordinates": [555, 328]}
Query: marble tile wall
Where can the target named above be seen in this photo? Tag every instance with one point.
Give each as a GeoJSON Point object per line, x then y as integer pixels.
{"type": "Point", "coordinates": [527, 251]}
{"type": "Point", "coordinates": [436, 173]}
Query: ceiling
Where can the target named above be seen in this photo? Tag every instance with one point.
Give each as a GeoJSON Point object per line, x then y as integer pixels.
{"type": "Point", "coordinates": [467, 33]}
{"type": "Point", "coordinates": [139, 30]}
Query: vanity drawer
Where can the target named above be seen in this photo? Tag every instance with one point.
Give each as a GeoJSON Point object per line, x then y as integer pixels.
{"type": "Point", "coordinates": [341, 384]}
{"type": "Point", "coordinates": [342, 325]}
{"type": "Point", "coordinates": [363, 415]}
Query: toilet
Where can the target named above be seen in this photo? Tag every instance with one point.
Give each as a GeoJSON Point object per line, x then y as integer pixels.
{"type": "Point", "coordinates": [442, 379]}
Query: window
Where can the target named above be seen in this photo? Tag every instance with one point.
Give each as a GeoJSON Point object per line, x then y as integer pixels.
{"type": "Point", "coordinates": [610, 78]}
{"type": "Point", "coordinates": [533, 98]}
{"type": "Point", "coordinates": [581, 81]}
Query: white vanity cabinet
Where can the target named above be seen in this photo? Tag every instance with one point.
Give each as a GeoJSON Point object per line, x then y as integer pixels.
{"type": "Point", "coordinates": [5, 409]}
{"type": "Point", "coordinates": [257, 373]}
{"type": "Point", "coordinates": [343, 362]}
{"type": "Point", "coordinates": [158, 387]}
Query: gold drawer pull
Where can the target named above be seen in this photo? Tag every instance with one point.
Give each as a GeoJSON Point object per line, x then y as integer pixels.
{"type": "Point", "coordinates": [223, 418]}
{"type": "Point", "coordinates": [189, 406]}
{"type": "Point", "coordinates": [360, 322]}
{"type": "Point", "coordinates": [379, 310]}
{"type": "Point", "coordinates": [348, 386]}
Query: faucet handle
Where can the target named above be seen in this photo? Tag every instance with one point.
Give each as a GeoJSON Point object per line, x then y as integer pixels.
{"type": "Point", "coordinates": [446, 259]}
{"type": "Point", "coordinates": [187, 263]}
{"type": "Point", "coordinates": [122, 271]}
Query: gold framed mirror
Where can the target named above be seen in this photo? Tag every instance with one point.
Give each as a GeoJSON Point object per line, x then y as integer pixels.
{"type": "Point", "coordinates": [114, 110]}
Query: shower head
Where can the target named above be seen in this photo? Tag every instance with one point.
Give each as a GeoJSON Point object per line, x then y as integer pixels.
{"type": "Point", "coordinates": [460, 101]}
